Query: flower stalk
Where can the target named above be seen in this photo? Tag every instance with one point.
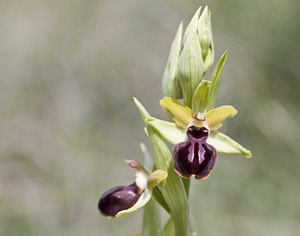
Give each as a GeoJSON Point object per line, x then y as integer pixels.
{"type": "Point", "coordinates": [164, 181]}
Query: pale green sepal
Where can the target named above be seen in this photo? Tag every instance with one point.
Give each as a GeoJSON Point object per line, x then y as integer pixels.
{"type": "Point", "coordinates": [155, 178]}
{"type": "Point", "coordinates": [190, 67]}
{"type": "Point", "coordinates": [142, 201]}
{"type": "Point", "coordinates": [201, 97]}
{"type": "Point", "coordinates": [206, 39]}
{"type": "Point", "coordinates": [215, 118]}
{"type": "Point", "coordinates": [170, 131]}
{"type": "Point", "coordinates": [144, 113]}
{"type": "Point", "coordinates": [170, 83]}
{"type": "Point", "coordinates": [216, 81]}
{"type": "Point", "coordinates": [172, 187]}
{"type": "Point", "coordinates": [192, 26]}
{"type": "Point", "coordinates": [225, 144]}
{"type": "Point", "coordinates": [182, 115]}
{"type": "Point", "coordinates": [151, 219]}
{"type": "Point", "coordinates": [148, 163]}
{"type": "Point", "coordinates": [169, 229]}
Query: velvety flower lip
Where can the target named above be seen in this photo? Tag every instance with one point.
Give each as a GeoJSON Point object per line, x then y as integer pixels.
{"type": "Point", "coordinates": [118, 199]}
{"type": "Point", "coordinates": [194, 156]}
{"type": "Point", "coordinates": [122, 200]}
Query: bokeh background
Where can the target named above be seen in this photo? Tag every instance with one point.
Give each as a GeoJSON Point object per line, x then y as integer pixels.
{"type": "Point", "coordinates": [68, 72]}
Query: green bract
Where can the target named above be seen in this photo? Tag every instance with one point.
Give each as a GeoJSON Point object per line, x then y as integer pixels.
{"type": "Point", "coordinates": [190, 57]}
{"type": "Point", "coordinates": [216, 81]}
{"type": "Point", "coordinates": [190, 67]}
{"type": "Point", "coordinates": [206, 39]}
{"type": "Point", "coordinates": [172, 188]}
{"type": "Point", "coordinates": [170, 83]}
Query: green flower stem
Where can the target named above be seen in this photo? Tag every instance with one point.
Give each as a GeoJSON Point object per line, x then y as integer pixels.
{"type": "Point", "coordinates": [186, 183]}
{"type": "Point", "coordinates": [151, 220]}
{"type": "Point", "coordinates": [193, 224]}
{"type": "Point", "coordinates": [169, 229]}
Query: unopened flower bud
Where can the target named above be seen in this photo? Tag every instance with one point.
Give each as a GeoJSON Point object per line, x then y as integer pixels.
{"type": "Point", "coordinates": [206, 39]}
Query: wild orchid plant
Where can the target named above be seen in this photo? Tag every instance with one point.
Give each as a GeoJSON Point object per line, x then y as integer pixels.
{"type": "Point", "coordinates": [193, 132]}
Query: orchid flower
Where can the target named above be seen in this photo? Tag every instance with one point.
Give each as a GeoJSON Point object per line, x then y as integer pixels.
{"type": "Point", "coordinates": [122, 200]}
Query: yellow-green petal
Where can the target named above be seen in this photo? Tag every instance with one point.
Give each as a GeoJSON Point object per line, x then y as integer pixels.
{"type": "Point", "coordinates": [215, 118]}
{"type": "Point", "coordinates": [155, 178]}
{"type": "Point", "coordinates": [225, 144]}
{"type": "Point", "coordinates": [182, 115]}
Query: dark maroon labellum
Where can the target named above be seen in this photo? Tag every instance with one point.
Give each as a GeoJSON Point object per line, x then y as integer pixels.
{"type": "Point", "coordinates": [118, 199]}
{"type": "Point", "coordinates": [195, 156]}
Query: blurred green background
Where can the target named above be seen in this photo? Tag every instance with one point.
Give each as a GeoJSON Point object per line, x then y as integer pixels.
{"type": "Point", "coordinates": [68, 72]}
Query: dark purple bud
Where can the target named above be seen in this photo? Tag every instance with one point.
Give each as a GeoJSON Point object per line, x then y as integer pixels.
{"type": "Point", "coordinates": [195, 156]}
{"type": "Point", "coordinates": [118, 199]}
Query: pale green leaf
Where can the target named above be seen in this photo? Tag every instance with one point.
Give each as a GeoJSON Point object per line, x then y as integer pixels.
{"type": "Point", "coordinates": [215, 118]}
{"type": "Point", "coordinates": [172, 187]}
{"type": "Point", "coordinates": [155, 178]}
{"type": "Point", "coordinates": [201, 97]}
{"type": "Point", "coordinates": [170, 131]}
{"type": "Point", "coordinates": [182, 115]}
{"type": "Point", "coordinates": [170, 83]}
{"type": "Point", "coordinates": [190, 67]}
{"type": "Point", "coordinates": [225, 144]}
{"type": "Point", "coordinates": [216, 81]}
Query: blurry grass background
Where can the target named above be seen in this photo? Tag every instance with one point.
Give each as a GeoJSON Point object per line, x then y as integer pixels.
{"type": "Point", "coordinates": [68, 72]}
